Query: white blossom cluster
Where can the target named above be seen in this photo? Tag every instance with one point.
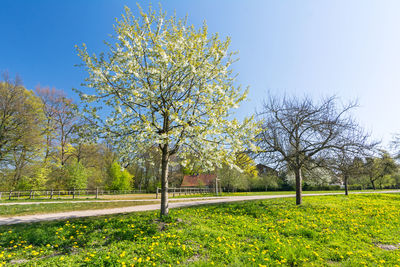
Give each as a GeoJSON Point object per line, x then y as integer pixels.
{"type": "Point", "coordinates": [165, 83]}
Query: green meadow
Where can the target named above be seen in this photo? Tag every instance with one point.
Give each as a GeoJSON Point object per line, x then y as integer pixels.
{"type": "Point", "coordinates": [325, 231]}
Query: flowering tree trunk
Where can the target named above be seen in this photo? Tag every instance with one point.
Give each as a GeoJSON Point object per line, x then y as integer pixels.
{"type": "Point", "coordinates": [164, 181]}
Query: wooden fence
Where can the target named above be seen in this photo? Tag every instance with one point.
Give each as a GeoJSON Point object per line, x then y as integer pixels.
{"type": "Point", "coordinates": [64, 193]}
{"type": "Point", "coordinates": [186, 191]}
{"type": "Point", "coordinates": [76, 193]}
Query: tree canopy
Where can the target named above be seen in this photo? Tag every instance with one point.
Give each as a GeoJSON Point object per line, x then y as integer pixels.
{"type": "Point", "coordinates": [166, 83]}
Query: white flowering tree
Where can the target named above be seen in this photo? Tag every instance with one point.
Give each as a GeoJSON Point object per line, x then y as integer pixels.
{"type": "Point", "coordinates": [167, 84]}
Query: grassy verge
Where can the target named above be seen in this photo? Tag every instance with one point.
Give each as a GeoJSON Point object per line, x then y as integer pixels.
{"type": "Point", "coordinates": [13, 210]}
{"type": "Point", "coordinates": [327, 230]}
{"type": "Point", "coordinates": [268, 193]}
{"type": "Point", "coordinates": [80, 198]}
{"type": "Point", "coordinates": [226, 194]}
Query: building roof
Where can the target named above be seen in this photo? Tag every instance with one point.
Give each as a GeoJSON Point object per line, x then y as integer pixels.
{"type": "Point", "coordinates": [198, 180]}
{"type": "Point", "coordinates": [263, 169]}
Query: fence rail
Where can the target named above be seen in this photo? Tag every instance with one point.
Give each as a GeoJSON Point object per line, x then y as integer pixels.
{"type": "Point", "coordinates": [64, 193]}
{"type": "Point", "coordinates": [186, 191]}
{"type": "Point", "coordinates": [87, 192]}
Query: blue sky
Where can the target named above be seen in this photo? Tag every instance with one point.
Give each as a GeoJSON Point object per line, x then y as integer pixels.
{"type": "Point", "coordinates": [317, 48]}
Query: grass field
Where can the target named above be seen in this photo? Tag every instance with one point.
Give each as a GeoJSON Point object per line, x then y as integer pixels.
{"type": "Point", "coordinates": [327, 230]}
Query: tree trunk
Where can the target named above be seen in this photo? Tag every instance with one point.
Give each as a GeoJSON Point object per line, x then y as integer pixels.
{"type": "Point", "coordinates": [164, 181]}
{"type": "Point", "coordinates": [79, 153]}
{"type": "Point", "coordinates": [48, 143]}
{"type": "Point", "coordinates": [373, 184]}
{"type": "Point", "coordinates": [346, 189]}
{"type": "Point", "coordinates": [146, 178]}
{"type": "Point", "coordinates": [47, 153]}
{"type": "Point", "coordinates": [298, 186]}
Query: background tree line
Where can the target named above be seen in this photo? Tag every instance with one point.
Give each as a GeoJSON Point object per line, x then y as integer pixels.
{"type": "Point", "coordinates": [41, 144]}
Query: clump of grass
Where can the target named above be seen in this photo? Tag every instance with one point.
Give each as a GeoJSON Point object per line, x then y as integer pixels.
{"type": "Point", "coordinates": [326, 230]}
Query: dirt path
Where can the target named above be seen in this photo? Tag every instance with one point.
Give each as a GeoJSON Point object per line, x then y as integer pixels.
{"type": "Point", "coordinates": [89, 213]}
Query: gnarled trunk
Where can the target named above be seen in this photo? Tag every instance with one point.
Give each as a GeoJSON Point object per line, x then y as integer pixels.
{"type": "Point", "coordinates": [373, 184]}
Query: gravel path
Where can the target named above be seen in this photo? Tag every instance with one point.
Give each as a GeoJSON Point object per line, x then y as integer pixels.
{"type": "Point", "coordinates": [97, 201]}
{"type": "Point", "coordinates": [89, 213]}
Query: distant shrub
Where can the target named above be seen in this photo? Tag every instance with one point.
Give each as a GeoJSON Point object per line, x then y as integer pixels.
{"type": "Point", "coordinates": [119, 178]}
{"type": "Point", "coordinates": [77, 175]}
{"type": "Point", "coordinates": [355, 187]}
{"type": "Point", "coordinates": [307, 187]}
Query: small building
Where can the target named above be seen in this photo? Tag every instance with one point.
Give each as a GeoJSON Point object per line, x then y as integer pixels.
{"type": "Point", "coordinates": [200, 180]}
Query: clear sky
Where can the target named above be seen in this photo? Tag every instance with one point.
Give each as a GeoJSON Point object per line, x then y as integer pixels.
{"type": "Point", "coordinates": [317, 48]}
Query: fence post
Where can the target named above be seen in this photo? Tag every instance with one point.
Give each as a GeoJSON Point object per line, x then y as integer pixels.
{"type": "Point", "coordinates": [97, 192]}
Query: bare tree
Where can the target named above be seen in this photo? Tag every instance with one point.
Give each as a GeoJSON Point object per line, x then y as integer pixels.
{"type": "Point", "coordinates": [61, 121]}
{"type": "Point", "coordinates": [348, 163]}
{"type": "Point", "coordinates": [346, 160]}
{"type": "Point", "coordinates": [395, 146]}
{"type": "Point", "coordinates": [50, 99]}
{"type": "Point", "coordinates": [67, 120]}
{"type": "Point", "coordinates": [378, 167]}
{"type": "Point", "coordinates": [297, 133]}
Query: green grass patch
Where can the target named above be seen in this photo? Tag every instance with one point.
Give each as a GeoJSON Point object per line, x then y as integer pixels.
{"type": "Point", "coordinates": [268, 193]}
{"type": "Point", "coordinates": [325, 231]}
{"type": "Point", "coordinates": [265, 193]}
{"type": "Point", "coordinates": [14, 210]}
{"type": "Point", "coordinates": [78, 198]}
